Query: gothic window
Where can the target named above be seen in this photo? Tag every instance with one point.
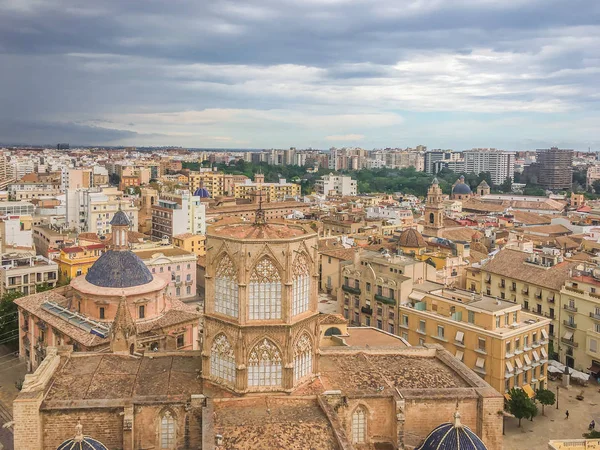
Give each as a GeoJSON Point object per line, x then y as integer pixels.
{"type": "Point", "coordinates": [226, 288]}
{"type": "Point", "coordinates": [167, 430]}
{"type": "Point", "coordinates": [265, 291]}
{"type": "Point", "coordinates": [302, 357]}
{"type": "Point", "coordinates": [222, 359]}
{"type": "Point", "coordinates": [264, 365]}
{"type": "Point", "coordinates": [359, 426]}
{"type": "Point", "coordinates": [300, 285]}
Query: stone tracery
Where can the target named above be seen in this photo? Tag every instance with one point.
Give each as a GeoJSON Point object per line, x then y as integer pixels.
{"type": "Point", "coordinates": [265, 291]}
{"type": "Point", "coordinates": [300, 285]}
{"type": "Point", "coordinates": [264, 365]}
{"type": "Point", "coordinates": [222, 359]}
{"type": "Point", "coordinates": [226, 288]}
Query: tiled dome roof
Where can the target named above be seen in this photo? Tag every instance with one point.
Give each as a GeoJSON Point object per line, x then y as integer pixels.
{"type": "Point", "coordinates": [202, 193]}
{"type": "Point", "coordinates": [411, 238]}
{"type": "Point", "coordinates": [452, 436]}
{"type": "Point", "coordinates": [120, 218]}
{"type": "Point", "coordinates": [118, 269]}
{"type": "Point", "coordinates": [87, 443]}
{"type": "Point", "coordinates": [461, 188]}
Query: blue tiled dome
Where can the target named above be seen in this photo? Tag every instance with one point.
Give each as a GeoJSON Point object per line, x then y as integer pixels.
{"type": "Point", "coordinates": [120, 218]}
{"type": "Point", "coordinates": [202, 193]}
{"type": "Point", "coordinates": [460, 187]}
{"type": "Point", "coordinates": [87, 443]}
{"type": "Point", "coordinates": [452, 436]}
{"type": "Point", "coordinates": [118, 269]}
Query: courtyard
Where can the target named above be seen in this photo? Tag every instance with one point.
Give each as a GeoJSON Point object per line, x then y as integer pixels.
{"type": "Point", "coordinates": [554, 425]}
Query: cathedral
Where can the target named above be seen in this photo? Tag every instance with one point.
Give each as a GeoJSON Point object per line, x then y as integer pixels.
{"type": "Point", "coordinates": [271, 372]}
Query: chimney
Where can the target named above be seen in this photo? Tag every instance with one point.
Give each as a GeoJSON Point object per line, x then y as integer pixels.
{"type": "Point", "coordinates": [356, 256]}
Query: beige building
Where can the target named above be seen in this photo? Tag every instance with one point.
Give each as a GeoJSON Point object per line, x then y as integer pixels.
{"type": "Point", "coordinates": [374, 284]}
{"type": "Point", "coordinates": [23, 272]}
{"type": "Point", "coordinates": [330, 262]}
{"type": "Point", "coordinates": [495, 338]}
{"type": "Point", "coordinates": [579, 319]}
{"type": "Point", "coordinates": [26, 191]}
{"type": "Point", "coordinates": [533, 280]}
{"type": "Point", "coordinates": [272, 192]}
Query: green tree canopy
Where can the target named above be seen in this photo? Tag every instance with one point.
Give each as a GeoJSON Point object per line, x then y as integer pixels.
{"type": "Point", "coordinates": [520, 405]}
{"type": "Point", "coordinates": [545, 397]}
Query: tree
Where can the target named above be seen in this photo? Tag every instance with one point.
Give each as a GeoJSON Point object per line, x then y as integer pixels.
{"type": "Point", "coordinates": [9, 321]}
{"type": "Point", "coordinates": [114, 179]}
{"type": "Point", "coordinates": [545, 397]}
{"type": "Point", "coordinates": [596, 186]}
{"type": "Point", "coordinates": [593, 434]}
{"type": "Point", "coordinates": [520, 405]}
{"type": "Point", "coordinates": [506, 186]}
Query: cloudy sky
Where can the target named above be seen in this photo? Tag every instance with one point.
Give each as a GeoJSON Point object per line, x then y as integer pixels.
{"type": "Point", "coordinates": [513, 74]}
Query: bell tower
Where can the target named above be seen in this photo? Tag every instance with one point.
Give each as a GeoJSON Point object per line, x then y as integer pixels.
{"type": "Point", "coordinates": [434, 210]}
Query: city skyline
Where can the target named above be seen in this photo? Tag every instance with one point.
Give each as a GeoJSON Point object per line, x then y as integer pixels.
{"type": "Point", "coordinates": [513, 75]}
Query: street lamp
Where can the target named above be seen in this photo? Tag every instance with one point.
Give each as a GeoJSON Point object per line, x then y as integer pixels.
{"type": "Point", "coordinates": [557, 396]}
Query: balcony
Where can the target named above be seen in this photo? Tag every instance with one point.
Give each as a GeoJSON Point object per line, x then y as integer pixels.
{"type": "Point", "coordinates": [572, 289]}
{"type": "Point", "coordinates": [367, 310]}
{"type": "Point", "coordinates": [385, 300]}
{"type": "Point", "coordinates": [551, 299]}
{"type": "Point", "coordinates": [488, 281]}
{"type": "Point", "coordinates": [595, 316]}
{"type": "Point", "coordinates": [351, 290]}
{"type": "Point", "coordinates": [568, 324]}
{"type": "Point", "coordinates": [570, 308]}
{"type": "Point", "coordinates": [525, 291]}
{"type": "Point", "coordinates": [501, 285]}
{"type": "Point", "coordinates": [569, 342]}
{"type": "Point", "coordinates": [512, 288]}
{"type": "Point", "coordinates": [189, 282]}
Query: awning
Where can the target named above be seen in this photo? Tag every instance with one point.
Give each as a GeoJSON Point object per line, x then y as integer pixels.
{"type": "Point", "coordinates": [568, 335]}
{"type": "Point", "coordinates": [460, 336]}
{"type": "Point", "coordinates": [459, 355]}
{"type": "Point", "coordinates": [480, 363]}
{"type": "Point", "coordinates": [551, 296]}
{"type": "Point", "coordinates": [528, 391]}
{"type": "Point", "coordinates": [544, 333]}
{"type": "Point", "coordinates": [536, 357]}
{"type": "Point", "coordinates": [544, 353]}
{"type": "Point", "coordinates": [595, 369]}
{"type": "Point", "coordinates": [527, 360]}
{"type": "Point", "coordinates": [518, 363]}
{"type": "Point", "coordinates": [509, 366]}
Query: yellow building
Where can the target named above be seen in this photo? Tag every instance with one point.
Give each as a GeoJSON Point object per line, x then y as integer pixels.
{"type": "Point", "coordinates": [495, 338]}
{"type": "Point", "coordinates": [75, 261]}
{"type": "Point", "coordinates": [218, 184]}
{"type": "Point", "coordinates": [533, 280]}
{"type": "Point", "coordinates": [579, 345]}
{"type": "Point", "coordinates": [330, 261]}
{"type": "Point", "coordinates": [193, 243]}
{"type": "Point", "coordinates": [272, 192]}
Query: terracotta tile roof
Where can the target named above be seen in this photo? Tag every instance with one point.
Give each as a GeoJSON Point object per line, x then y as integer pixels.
{"type": "Point", "coordinates": [88, 376]}
{"type": "Point", "coordinates": [345, 254]}
{"type": "Point", "coordinates": [273, 423]}
{"type": "Point", "coordinates": [511, 264]}
{"type": "Point", "coordinates": [167, 251]}
{"type": "Point", "coordinates": [253, 231]}
{"type": "Point", "coordinates": [548, 229]}
{"type": "Point", "coordinates": [529, 218]}
{"type": "Point", "coordinates": [461, 234]}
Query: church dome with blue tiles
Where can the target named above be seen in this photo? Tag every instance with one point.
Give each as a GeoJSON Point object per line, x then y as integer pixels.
{"type": "Point", "coordinates": [81, 442]}
{"type": "Point", "coordinates": [452, 436]}
{"type": "Point", "coordinates": [202, 193]}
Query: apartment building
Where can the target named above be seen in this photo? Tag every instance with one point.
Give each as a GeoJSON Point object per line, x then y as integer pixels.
{"type": "Point", "coordinates": [76, 260]}
{"type": "Point", "coordinates": [555, 168]}
{"type": "Point", "coordinates": [193, 243]}
{"type": "Point", "coordinates": [49, 240]}
{"type": "Point", "coordinates": [22, 272]}
{"type": "Point", "coordinates": [178, 213]}
{"type": "Point", "coordinates": [532, 280]}
{"type": "Point", "coordinates": [500, 164]}
{"type": "Point", "coordinates": [16, 232]}
{"type": "Point", "coordinates": [330, 261]}
{"type": "Point", "coordinates": [25, 191]}
{"type": "Point", "coordinates": [271, 192]}
{"type": "Point", "coordinates": [374, 284]}
{"type": "Point", "coordinates": [6, 172]}
{"type": "Point", "coordinates": [218, 184]}
{"type": "Point", "coordinates": [504, 345]}
{"type": "Point", "coordinates": [579, 345]}
{"type": "Point", "coordinates": [16, 208]}
{"type": "Point", "coordinates": [336, 185]}
{"type": "Point", "coordinates": [434, 160]}
{"type": "Point", "coordinates": [174, 265]}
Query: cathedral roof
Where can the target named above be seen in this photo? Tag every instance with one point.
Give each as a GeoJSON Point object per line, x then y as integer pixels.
{"type": "Point", "coordinates": [260, 231]}
{"type": "Point", "coordinates": [452, 436]}
{"type": "Point", "coordinates": [120, 218]}
{"type": "Point", "coordinates": [118, 269]}
{"type": "Point", "coordinates": [411, 238]}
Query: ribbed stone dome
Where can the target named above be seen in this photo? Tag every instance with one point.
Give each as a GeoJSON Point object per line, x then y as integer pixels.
{"type": "Point", "coordinates": [87, 443]}
{"type": "Point", "coordinates": [118, 269]}
{"type": "Point", "coordinates": [411, 238]}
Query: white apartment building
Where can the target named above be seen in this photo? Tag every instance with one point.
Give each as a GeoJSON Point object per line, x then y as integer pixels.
{"type": "Point", "coordinates": [393, 214]}
{"type": "Point", "coordinates": [178, 213]}
{"type": "Point", "coordinates": [21, 167]}
{"type": "Point", "coordinates": [336, 185]}
{"type": "Point", "coordinates": [499, 163]}
{"type": "Point", "coordinates": [16, 208]}
{"type": "Point", "coordinates": [91, 210]}
{"type": "Point", "coordinates": [30, 190]}
{"type": "Point", "coordinates": [22, 272]}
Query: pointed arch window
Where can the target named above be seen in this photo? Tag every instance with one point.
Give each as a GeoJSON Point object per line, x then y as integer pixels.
{"type": "Point", "coordinates": [300, 285]}
{"type": "Point", "coordinates": [302, 357]}
{"type": "Point", "coordinates": [167, 430]}
{"type": "Point", "coordinates": [264, 365]}
{"type": "Point", "coordinates": [222, 359]}
{"type": "Point", "coordinates": [359, 426]}
{"type": "Point", "coordinates": [264, 291]}
{"type": "Point", "coordinates": [226, 288]}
